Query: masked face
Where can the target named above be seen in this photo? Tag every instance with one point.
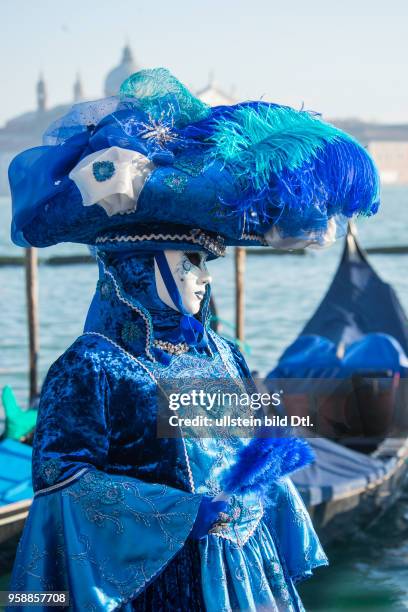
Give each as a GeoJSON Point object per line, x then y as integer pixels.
{"type": "Point", "coordinates": [190, 275]}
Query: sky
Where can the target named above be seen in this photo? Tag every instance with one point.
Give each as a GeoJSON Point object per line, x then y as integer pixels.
{"type": "Point", "coordinates": [343, 59]}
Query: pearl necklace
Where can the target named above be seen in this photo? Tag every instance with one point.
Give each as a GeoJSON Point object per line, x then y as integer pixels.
{"type": "Point", "coordinates": [169, 347]}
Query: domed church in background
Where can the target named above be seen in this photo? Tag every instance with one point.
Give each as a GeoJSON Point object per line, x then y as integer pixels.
{"type": "Point", "coordinates": [116, 76]}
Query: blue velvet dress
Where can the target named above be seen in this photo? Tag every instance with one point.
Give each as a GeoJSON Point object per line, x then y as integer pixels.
{"type": "Point", "coordinates": [114, 504]}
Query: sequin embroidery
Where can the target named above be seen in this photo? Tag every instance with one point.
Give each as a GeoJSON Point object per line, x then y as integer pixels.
{"type": "Point", "coordinates": [50, 470]}
{"type": "Point", "coordinates": [105, 289]}
{"type": "Point", "coordinates": [176, 182]}
{"type": "Point", "coordinates": [131, 332]}
{"type": "Point", "coordinates": [193, 166]}
{"type": "Point", "coordinates": [103, 170]}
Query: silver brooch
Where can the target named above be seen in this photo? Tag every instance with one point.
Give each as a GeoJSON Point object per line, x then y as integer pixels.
{"type": "Point", "coordinates": [158, 130]}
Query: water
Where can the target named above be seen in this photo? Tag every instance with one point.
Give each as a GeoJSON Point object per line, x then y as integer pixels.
{"type": "Point", "coordinates": [368, 572]}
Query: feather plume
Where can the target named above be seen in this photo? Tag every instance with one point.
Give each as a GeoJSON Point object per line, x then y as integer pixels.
{"type": "Point", "coordinates": [265, 460]}
{"type": "Point", "coordinates": [293, 167]}
{"type": "Point", "coordinates": [261, 140]}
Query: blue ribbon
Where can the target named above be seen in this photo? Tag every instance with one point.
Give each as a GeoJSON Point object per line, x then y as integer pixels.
{"type": "Point", "coordinates": [191, 329]}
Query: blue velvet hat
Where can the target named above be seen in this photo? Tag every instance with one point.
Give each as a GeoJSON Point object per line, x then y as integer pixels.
{"type": "Point", "coordinates": [155, 166]}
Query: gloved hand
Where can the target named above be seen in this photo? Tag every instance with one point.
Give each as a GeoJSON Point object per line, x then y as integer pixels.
{"type": "Point", "coordinates": [208, 514]}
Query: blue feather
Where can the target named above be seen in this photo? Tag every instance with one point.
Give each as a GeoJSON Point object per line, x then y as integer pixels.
{"type": "Point", "coordinates": [292, 166]}
{"type": "Point", "coordinates": [261, 140]}
{"type": "Point", "coordinates": [265, 460]}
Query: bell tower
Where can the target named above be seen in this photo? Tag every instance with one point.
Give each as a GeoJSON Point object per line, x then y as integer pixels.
{"type": "Point", "coordinates": [41, 94]}
{"type": "Point", "coordinates": [78, 89]}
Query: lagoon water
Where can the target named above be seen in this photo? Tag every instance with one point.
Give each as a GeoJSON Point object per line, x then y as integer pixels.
{"type": "Point", "coordinates": [368, 572]}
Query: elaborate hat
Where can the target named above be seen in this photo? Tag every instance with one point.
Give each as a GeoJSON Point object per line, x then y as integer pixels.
{"type": "Point", "coordinates": [156, 166]}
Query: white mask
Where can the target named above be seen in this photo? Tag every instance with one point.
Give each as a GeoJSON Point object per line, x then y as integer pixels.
{"type": "Point", "coordinates": [190, 275]}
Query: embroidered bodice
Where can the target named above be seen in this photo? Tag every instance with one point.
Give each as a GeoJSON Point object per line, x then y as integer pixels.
{"type": "Point", "coordinates": [120, 396]}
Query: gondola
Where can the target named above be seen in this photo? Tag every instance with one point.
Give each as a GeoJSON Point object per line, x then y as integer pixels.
{"type": "Point", "coordinates": [16, 495]}
{"type": "Point", "coordinates": [354, 350]}
{"type": "Point", "coordinates": [16, 492]}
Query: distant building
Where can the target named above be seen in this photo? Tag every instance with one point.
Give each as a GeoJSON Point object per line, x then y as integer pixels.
{"type": "Point", "coordinates": [213, 95]}
{"type": "Point", "coordinates": [78, 91]}
{"type": "Point", "coordinates": [116, 76]}
{"type": "Point", "coordinates": [388, 144]}
{"type": "Point", "coordinates": [392, 160]}
{"type": "Point", "coordinates": [41, 94]}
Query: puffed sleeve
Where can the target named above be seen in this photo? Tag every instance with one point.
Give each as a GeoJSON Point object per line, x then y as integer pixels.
{"type": "Point", "coordinates": [73, 422]}
{"type": "Point", "coordinates": [102, 537]}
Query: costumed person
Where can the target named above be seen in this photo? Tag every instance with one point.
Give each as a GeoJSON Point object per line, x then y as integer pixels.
{"type": "Point", "coordinates": [157, 183]}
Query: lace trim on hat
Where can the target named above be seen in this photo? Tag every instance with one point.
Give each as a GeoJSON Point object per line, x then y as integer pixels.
{"type": "Point", "coordinates": [215, 246]}
{"type": "Point", "coordinates": [254, 237]}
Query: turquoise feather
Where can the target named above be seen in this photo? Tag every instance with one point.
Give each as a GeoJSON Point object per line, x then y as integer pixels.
{"type": "Point", "coordinates": [258, 141]}
{"type": "Point", "coordinates": [159, 94]}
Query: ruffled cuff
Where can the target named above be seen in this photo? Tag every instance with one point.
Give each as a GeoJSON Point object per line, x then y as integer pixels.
{"type": "Point", "coordinates": [298, 543]}
{"type": "Point", "coordinates": [101, 537]}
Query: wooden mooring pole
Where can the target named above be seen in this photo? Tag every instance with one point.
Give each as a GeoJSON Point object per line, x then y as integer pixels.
{"type": "Point", "coordinates": [240, 255]}
{"type": "Point", "coordinates": [31, 261]}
